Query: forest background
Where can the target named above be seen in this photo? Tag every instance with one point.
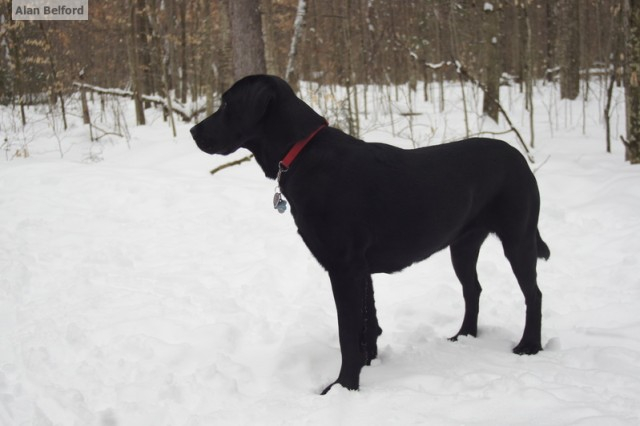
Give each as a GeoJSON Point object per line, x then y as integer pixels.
{"type": "Point", "coordinates": [184, 54]}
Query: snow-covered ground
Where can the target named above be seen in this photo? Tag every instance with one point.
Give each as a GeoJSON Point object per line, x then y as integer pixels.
{"type": "Point", "coordinates": [140, 290]}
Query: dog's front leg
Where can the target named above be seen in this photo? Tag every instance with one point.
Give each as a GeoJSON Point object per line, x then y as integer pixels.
{"type": "Point", "coordinates": [372, 329]}
{"type": "Point", "coordinates": [349, 292]}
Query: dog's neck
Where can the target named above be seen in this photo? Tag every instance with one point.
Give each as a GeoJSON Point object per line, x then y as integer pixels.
{"type": "Point", "coordinates": [266, 158]}
{"type": "Point", "coordinates": [278, 138]}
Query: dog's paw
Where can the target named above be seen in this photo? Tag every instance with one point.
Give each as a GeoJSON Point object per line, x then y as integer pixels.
{"type": "Point", "coordinates": [337, 382]}
{"type": "Point", "coordinates": [524, 348]}
{"type": "Point", "coordinates": [372, 353]}
{"type": "Point", "coordinates": [462, 334]}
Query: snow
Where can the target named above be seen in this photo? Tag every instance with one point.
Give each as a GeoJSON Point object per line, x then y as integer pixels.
{"type": "Point", "coordinates": [139, 290]}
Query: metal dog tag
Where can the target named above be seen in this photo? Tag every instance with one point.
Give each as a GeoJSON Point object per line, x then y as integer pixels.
{"type": "Point", "coordinates": [278, 203]}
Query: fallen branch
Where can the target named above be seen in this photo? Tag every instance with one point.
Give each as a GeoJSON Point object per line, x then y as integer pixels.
{"type": "Point", "coordinates": [542, 164]}
{"type": "Point", "coordinates": [488, 132]}
{"type": "Point", "coordinates": [607, 110]}
{"type": "Point", "coordinates": [625, 143]}
{"type": "Point", "coordinates": [231, 163]}
{"type": "Point", "coordinates": [172, 105]}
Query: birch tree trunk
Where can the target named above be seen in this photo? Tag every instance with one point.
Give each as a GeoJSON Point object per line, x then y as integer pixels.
{"type": "Point", "coordinates": [298, 26]}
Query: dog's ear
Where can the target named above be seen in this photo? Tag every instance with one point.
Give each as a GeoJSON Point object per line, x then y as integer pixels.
{"type": "Point", "coordinates": [257, 101]}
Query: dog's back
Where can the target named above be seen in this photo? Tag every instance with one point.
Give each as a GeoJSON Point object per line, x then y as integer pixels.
{"type": "Point", "coordinates": [409, 204]}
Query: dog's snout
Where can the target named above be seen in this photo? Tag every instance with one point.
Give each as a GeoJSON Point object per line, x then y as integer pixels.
{"type": "Point", "coordinates": [202, 140]}
{"type": "Point", "coordinates": [194, 132]}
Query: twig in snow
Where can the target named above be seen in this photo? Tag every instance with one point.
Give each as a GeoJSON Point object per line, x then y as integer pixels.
{"type": "Point", "coordinates": [542, 164]}
{"type": "Point", "coordinates": [231, 163]}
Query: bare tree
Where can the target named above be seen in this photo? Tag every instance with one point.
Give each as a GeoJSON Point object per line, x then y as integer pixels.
{"type": "Point", "coordinates": [14, 52]}
{"type": "Point", "coordinates": [550, 19]}
{"type": "Point", "coordinates": [182, 9]}
{"type": "Point", "coordinates": [223, 69]}
{"type": "Point", "coordinates": [491, 32]}
{"type": "Point", "coordinates": [298, 26]}
{"type": "Point", "coordinates": [55, 85]}
{"type": "Point", "coordinates": [246, 38]}
{"type": "Point", "coordinates": [570, 61]}
{"type": "Point", "coordinates": [615, 65]}
{"type": "Point", "coordinates": [162, 50]}
{"type": "Point", "coordinates": [134, 67]}
{"type": "Point", "coordinates": [632, 83]}
{"type": "Point", "coordinates": [528, 73]}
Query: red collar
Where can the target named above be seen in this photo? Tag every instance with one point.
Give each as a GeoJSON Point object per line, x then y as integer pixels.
{"type": "Point", "coordinates": [297, 147]}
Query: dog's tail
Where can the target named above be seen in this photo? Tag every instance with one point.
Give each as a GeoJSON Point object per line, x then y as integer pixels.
{"type": "Point", "coordinates": [543, 248]}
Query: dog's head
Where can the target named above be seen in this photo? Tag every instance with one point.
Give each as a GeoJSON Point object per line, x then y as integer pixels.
{"type": "Point", "coordinates": [242, 114]}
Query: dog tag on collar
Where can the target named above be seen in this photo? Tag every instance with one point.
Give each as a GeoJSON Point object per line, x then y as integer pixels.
{"type": "Point", "coordinates": [279, 203]}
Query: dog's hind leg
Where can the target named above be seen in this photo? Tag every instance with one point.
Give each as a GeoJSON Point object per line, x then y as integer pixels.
{"type": "Point", "coordinates": [464, 256]}
{"type": "Point", "coordinates": [371, 327]}
{"type": "Point", "coordinates": [522, 255]}
{"type": "Point", "coordinates": [349, 287]}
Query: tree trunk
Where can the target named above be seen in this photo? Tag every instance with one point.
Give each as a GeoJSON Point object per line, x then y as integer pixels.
{"type": "Point", "coordinates": [17, 54]}
{"type": "Point", "coordinates": [570, 68]}
{"type": "Point", "coordinates": [183, 52]}
{"type": "Point", "coordinates": [55, 86]}
{"type": "Point", "coordinates": [162, 52]}
{"type": "Point", "coordinates": [528, 72]}
{"type": "Point", "coordinates": [616, 64]}
{"type": "Point", "coordinates": [143, 50]}
{"type": "Point", "coordinates": [298, 26]}
{"type": "Point", "coordinates": [632, 83]}
{"type": "Point", "coordinates": [550, 29]}
{"type": "Point", "coordinates": [607, 110]}
{"type": "Point", "coordinates": [440, 48]}
{"type": "Point", "coordinates": [246, 38]}
{"type": "Point", "coordinates": [224, 61]}
{"type": "Point", "coordinates": [171, 40]}
{"type": "Point", "coordinates": [209, 78]}
{"type": "Point", "coordinates": [134, 69]}
{"type": "Point", "coordinates": [271, 35]}
{"type": "Point", "coordinates": [86, 118]}
{"type": "Point", "coordinates": [491, 32]}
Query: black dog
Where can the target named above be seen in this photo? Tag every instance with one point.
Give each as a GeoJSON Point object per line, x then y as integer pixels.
{"type": "Point", "coordinates": [365, 208]}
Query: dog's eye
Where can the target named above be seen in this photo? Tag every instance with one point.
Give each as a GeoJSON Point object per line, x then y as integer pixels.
{"type": "Point", "coordinates": [223, 105]}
